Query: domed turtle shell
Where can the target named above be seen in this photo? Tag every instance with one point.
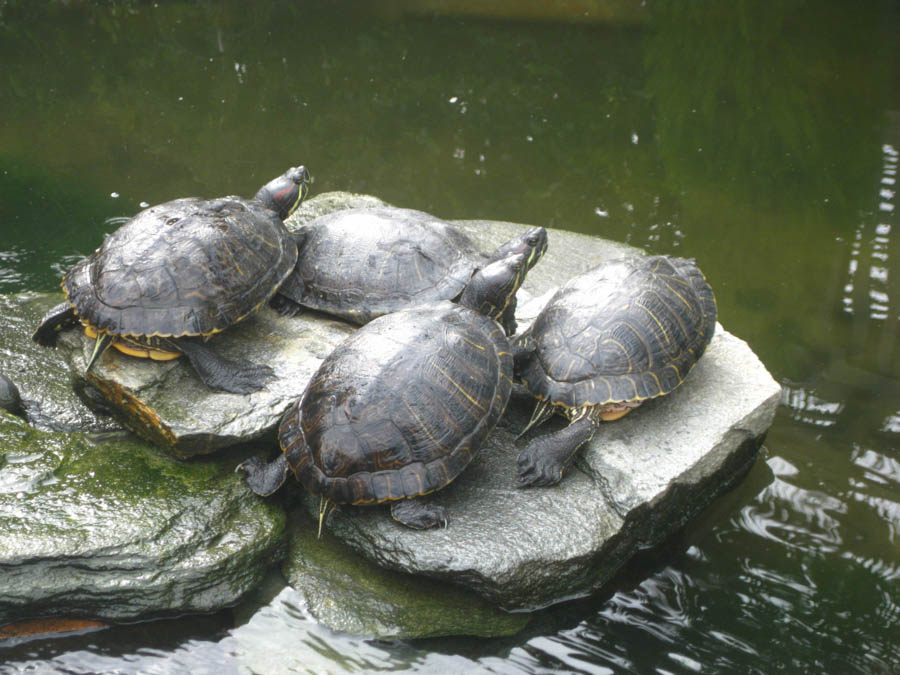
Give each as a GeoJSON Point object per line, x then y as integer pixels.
{"type": "Point", "coordinates": [399, 409]}
{"type": "Point", "coordinates": [625, 331]}
{"type": "Point", "coordinates": [361, 263]}
{"type": "Point", "coordinates": [187, 267]}
{"type": "Point", "coordinates": [609, 339]}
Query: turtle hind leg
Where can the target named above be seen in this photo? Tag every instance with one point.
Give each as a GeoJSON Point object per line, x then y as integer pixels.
{"type": "Point", "coordinates": [285, 305]}
{"type": "Point", "coordinates": [217, 372]}
{"type": "Point", "coordinates": [545, 460]}
{"type": "Point", "coordinates": [418, 514]}
{"type": "Point", "coordinates": [264, 478]}
{"type": "Point", "coordinates": [57, 319]}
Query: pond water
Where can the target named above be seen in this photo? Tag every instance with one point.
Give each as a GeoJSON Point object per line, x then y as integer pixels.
{"type": "Point", "coordinates": [760, 138]}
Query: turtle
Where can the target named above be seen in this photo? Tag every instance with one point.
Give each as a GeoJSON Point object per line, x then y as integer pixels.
{"type": "Point", "coordinates": [10, 400]}
{"type": "Point", "coordinates": [400, 408]}
{"type": "Point", "coordinates": [609, 339]}
{"type": "Point", "coordinates": [181, 271]}
{"type": "Point", "coordinates": [360, 263]}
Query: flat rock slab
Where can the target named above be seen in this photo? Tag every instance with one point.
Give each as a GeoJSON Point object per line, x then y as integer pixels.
{"type": "Point", "coordinates": [116, 530]}
{"type": "Point", "coordinates": [639, 480]}
{"type": "Point", "coordinates": [167, 404]}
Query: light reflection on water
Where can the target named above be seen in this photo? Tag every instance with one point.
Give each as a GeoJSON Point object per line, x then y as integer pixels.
{"type": "Point", "coordinates": [870, 259]}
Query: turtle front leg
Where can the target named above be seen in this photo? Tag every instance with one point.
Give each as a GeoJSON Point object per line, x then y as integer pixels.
{"type": "Point", "coordinates": [217, 372]}
{"type": "Point", "coordinates": [56, 320]}
{"type": "Point", "coordinates": [544, 461]}
{"type": "Point", "coordinates": [418, 513]}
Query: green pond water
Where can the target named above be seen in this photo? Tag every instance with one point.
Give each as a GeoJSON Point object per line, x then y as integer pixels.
{"type": "Point", "coordinates": [761, 138]}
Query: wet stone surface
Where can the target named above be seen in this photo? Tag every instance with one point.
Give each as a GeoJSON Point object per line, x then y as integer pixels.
{"type": "Point", "coordinates": [112, 528]}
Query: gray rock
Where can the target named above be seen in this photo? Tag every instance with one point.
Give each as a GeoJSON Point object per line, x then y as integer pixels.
{"type": "Point", "coordinates": [116, 530]}
{"type": "Point", "coordinates": [349, 593]}
{"type": "Point", "coordinates": [639, 480]}
{"type": "Point", "coordinates": [167, 404]}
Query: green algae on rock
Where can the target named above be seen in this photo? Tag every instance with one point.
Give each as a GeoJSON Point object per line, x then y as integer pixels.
{"type": "Point", "coordinates": [348, 593]}
{"type": "Point", "coordinates": [115, 530]}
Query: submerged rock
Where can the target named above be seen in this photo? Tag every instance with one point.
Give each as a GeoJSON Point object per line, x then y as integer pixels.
{"type": "Point", "coordinates": [348, 593]}
{"type": "Point", "coordinates": [116, 530]}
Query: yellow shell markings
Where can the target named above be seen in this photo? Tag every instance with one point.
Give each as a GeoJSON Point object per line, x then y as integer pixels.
{"type": "Point", "coordinates": [422, 425]}
{"type": "Point", "coordinates": [639, 336]}
{"type": "Point", "coordinates": [665, 282]}
{"type": "Point", "coordinates": [468, 341]}
{"type": "Point", "coordinates": [622, 348]}
{"type": "Point", "coordinates": [458, 386]}
{"type": "Point", "coordinates": [659, 324]}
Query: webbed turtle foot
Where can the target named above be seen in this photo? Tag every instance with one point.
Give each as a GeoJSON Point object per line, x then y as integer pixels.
{"type": "Point", "coordinates": [241, 377]}
{"type": "Point", "coordinates": [217, 372]}
{"type": "Point", "coordinates": [545, 460]}
{"type": "Point", "coordinates": [418, 514]}
{"type": "Point", "coordinates": [264, 478]}
{"type": "Point", "coordinates": [536, 469]}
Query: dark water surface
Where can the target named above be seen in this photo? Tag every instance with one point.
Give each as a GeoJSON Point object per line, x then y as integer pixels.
{"type": "Point", "coordinates": [760, 138]}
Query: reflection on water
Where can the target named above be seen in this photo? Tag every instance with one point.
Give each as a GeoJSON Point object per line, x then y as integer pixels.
{"type": "Point", "coordinates": [870, 249]}
{"type": "Point", "coordinates": [760, 138]}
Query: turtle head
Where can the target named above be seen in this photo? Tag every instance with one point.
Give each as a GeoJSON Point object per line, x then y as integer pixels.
{"type": "Point", "coordinates": [284, 194]}
{"type": "Point", "coordinates": [494, 286]}
{"type": "Point", "coordinates": [532, 243]}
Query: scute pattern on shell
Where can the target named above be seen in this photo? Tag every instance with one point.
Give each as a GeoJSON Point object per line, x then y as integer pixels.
{"type": "Point", "coordinates": [399, 409]}
{"type": "Point", "coordinates": [628, 330]}
{"type": "Point", "coordinates": [359, 264]}
{"type": "Point", "coordinates": [185, 267]}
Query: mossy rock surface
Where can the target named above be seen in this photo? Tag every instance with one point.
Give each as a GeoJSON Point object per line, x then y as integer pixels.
{"type": "Point", "coordinates": [349, 593]}
{"type": "Point", "coordinates": [114, 529]}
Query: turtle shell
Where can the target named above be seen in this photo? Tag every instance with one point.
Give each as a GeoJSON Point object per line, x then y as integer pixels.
{"type": "Point", "coordinates": [186, 267]}
{"type": "Point", "coordinates": [399, 409]}
{"type": "Point", "coordinates": [625, 331]}
{"type": "Point", "coordinates": [361, 263]}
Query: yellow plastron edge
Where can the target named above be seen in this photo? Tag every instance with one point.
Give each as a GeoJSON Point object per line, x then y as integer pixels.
{"type": "Point", "coordinates": [135, 349]}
